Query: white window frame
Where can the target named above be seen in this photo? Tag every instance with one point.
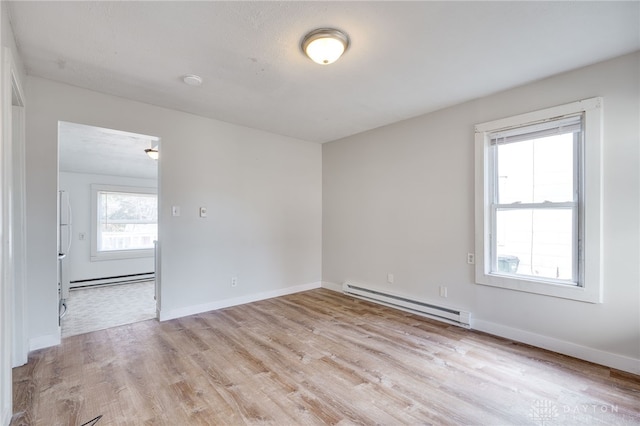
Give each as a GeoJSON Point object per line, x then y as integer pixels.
{"type": "Point", "coordinates": [589, 288]}
{"type": "Point", "coordinates": [97, 255]}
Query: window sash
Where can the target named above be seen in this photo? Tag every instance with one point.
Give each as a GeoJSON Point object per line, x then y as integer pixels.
{"type": "Point", "coordinates": [117, 248]}
{"type": "Point", "coordinates": [104, 220]}
{"type": "Point", "coordinates": [575, 269]}
{"type": "Point", "coordinates": [571, 124]}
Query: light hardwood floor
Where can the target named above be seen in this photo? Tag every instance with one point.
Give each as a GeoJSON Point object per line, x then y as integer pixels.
{"type": "Point", "coordinates": [317, 357]}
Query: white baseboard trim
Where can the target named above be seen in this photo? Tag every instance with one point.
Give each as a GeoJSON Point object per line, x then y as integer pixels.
{"type": "Point", "coordinates": [45, 341]}
{"type": "Point", "coordinates": [597, 356]}
{"type": "Point", "coordinates": [332, 286]}
{"type": "Point", "coordinates": [6, 416]}
{"type": "Point", "coordinates": [226, 303]}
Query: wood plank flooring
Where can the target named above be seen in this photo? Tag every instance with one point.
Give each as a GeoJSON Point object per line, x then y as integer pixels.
{"type": "Point", "coordinates": [316, 357]}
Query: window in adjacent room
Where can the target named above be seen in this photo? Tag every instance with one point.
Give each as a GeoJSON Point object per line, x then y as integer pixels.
{"type": "Point", "coordinates": [538, 206]}
{"type": "Point", "coordinates": [125, 221]}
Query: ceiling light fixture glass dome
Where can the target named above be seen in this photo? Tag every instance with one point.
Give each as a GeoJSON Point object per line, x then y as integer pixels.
{"type": "Point", "coordinates": [325, 45]}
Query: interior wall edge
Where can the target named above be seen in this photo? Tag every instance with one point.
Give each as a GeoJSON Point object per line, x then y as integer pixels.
{"type": "Point", "coordinates": [332, 286]}
{"type": "Point", "coordinates": [235, 301]}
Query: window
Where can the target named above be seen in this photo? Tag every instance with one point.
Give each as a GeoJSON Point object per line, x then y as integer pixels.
{"type": "Point", "coordinates": [538, 202]}
{"type": "Point", "coordinates": [125, 222]}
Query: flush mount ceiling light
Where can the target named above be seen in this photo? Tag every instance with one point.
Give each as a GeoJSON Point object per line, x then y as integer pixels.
{"type": "Point", "coordinates": [152, 152]}
{"type": "Point", "coordinates": [325, 45]}
{"type": "Point", "coordinates": [192, 80]}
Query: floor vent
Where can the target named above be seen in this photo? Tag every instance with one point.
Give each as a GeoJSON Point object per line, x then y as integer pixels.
{"type": "Point", "coordinates": [430, 310]}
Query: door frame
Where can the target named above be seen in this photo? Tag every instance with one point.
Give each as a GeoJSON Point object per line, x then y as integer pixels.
{"type": "Point", "coordinates": [14, 204]}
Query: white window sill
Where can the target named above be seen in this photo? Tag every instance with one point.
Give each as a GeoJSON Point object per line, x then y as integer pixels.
{"type": "Point", "coordinates": [590, 294]}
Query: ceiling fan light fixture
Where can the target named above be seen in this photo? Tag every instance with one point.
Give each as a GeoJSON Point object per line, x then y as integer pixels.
{"type": "Point", "coordinates": [324, 46]}
{"type": "Point", "coordinates": [153, 153]}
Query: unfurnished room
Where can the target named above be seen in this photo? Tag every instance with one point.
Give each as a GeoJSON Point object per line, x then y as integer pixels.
{"type": "Point", "coordinates": [319, 212]}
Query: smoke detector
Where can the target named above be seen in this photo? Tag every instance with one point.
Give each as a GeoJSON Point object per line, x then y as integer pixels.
{"type": "Point", "coordinates": [192, 80]}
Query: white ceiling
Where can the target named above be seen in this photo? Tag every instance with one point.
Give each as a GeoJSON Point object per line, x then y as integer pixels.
{"type": "Point", "coordinates": [405, 58]}
{"type": "Point", "coordinates": [95, 150]}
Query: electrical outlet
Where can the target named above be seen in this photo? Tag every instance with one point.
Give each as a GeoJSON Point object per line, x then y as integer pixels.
{"type": "Point", "coordinates": [471, 258]}
{"type": "Point", "coordinates": [82, 236]}
{"type": "Point", "coordinates": [390, 278]}
{"type": "Point", "coordinates": [234, 281]}
{"type": "Point", "coordinates": [443, 291]}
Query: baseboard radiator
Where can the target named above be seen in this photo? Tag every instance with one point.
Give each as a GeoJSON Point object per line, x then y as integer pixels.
{"type": "Point", "coordinates": [119, 279]}
{"type": "Point", "coordinates": [429, 310]}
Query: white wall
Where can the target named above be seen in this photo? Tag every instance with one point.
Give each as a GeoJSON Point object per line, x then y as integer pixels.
{"type": "Point", "coordinates": [78, 185]}
{"type": "Point", "coordinates": [262, 191]}
{"type": "Point", "coordinates": [400, 199]}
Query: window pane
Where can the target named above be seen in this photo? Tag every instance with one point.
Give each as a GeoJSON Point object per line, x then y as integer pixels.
{"type": "Point", "coordinates": [535, 242]}
{"type": "Point", "coordinates": [129, 207]}
{"type": "Point", "coordinates": [536, 170]}
{"type": "Point", "coordinates": [127, 221]}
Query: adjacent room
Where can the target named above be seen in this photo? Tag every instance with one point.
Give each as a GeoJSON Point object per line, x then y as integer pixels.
{"type": "Point", "coordinates": [108, 214]}
{"type": "Point", "coordinates": [320, 212]}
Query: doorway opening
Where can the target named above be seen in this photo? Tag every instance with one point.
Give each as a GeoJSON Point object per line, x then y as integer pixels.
{"type": "Point", "coordinates": [108, 222]}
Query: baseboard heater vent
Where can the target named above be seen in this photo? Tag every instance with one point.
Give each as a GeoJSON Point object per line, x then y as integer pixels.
{"type": "Point", "coordinates": [429, 310]}
{"type": "Point", "coordinates": [119, 279]}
